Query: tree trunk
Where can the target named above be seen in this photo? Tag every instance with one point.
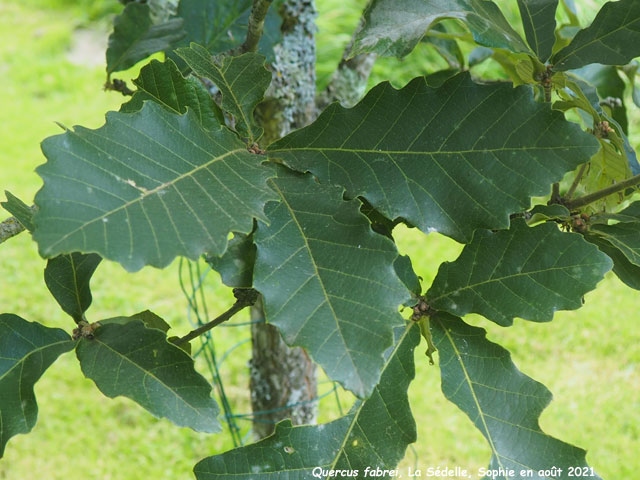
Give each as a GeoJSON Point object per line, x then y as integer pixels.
{"type": "Point", "coordinates": [280, 375]}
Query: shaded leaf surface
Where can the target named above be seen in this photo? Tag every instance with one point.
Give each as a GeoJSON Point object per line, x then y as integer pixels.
{"type": "Point", "coordinates": [222, 25]}
{"type": "Point", "coordinates": [328, 280]}
{"type": "Point", "coordinates": [146, 187]}
{"type": "Point", "coordinates": [612, 39]}
{"type": "Point", "coordinates": [164, 84]}
{"type": "Point", "coordinates": [235, 265]}
{"type": "Point", "coordinates": [624, 236]}
{"type": "Point", "coordinates": [242, 81]}
{"type": "Point", "coordinates": [441, 158]}
{"type": "Point", "coordinates": [138, 363]}
{"type": "Point", "coordinates": [19, 209]}
{"type": "Point", "coordinates": [394, 27]}
{"type": "Point", "coordinates": [504, 404]}
{"type": "Point", "coordinates": [375, 433]}
{"type": "Point", "coordinates": [521, 272]}
{"type": "Point", "coordinates": [626, 271]}
{"type": "Point", "coordinates": [147, 317]}
{"type": "Point", "coordinates": [135, 37]}
{"type": "Point", "coordinates": [67, 278]}
{"type": "Point", "coordinates": [27, 349]}
{"type": "Point", "coordinates": [539, 21]}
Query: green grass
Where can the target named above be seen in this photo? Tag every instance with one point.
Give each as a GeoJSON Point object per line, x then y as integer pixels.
{"type": "Point", "coordinates": [589, 358]}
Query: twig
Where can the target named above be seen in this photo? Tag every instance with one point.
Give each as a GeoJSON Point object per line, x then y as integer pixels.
{"type": "Point", "coordinates": [605, 192]}
{"type": "Point", "coordinates": [10, 228]}
{"type": "Point", "coordinates": [245, 297]}
{"type": "Point", "coordinates": [555, 194]}
{"type": "Point", "coordinates": [576, 181]}
{"type": "Point", "coordinates": [255, 25]}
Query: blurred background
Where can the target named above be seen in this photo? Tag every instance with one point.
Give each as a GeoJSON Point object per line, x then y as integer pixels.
{"type": "Point", "coordinates": [52, 70]}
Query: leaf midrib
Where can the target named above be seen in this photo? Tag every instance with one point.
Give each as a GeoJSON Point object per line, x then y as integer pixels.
{"type": "Point", "coordinates": [423, 152]}
{"type": "Point", "coordinates": [22, 360]}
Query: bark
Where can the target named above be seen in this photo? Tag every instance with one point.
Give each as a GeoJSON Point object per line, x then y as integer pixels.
{"type": "Point", "coordinates": [280, 375]}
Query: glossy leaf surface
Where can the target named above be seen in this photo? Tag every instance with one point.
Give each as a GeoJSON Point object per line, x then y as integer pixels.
{"type": "Point", "coordinates": [624, 236]}
{"type": "Point", "coordinates": [27, 349]}
{"type": "Point", "coordinates": [374, 434]}
{"type": "Point", "coordinates": [504, 404]}
{"type": "Point", "coordinates": [394, 27]}
{"type": "Point", "coordinates": [627, 272]}
{"type": "Point", "coordinates": [612, 39]}
{"type": "Point", "coordinates": [539, 21]}
{"type": "Point", "coordinates": [146, 187]}
{"type": "Point", "coordinates": [138, 362]}
{"type": "Point", "coordinates": [164, 84]}
{"type": "Point", "coordinates": [443, 159]}
{"type": "Point", "coordinates": [67, 278]}
{"type": "Point", "coordinates": [242, 81]}
{"type": "Point", "coordinates": [328, 280]}
{"type": "Point", "coordinates": [521, 272]}
{"type": "Point", "coordinates": [135, 37]}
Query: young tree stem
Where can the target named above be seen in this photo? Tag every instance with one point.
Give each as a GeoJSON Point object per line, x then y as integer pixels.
{"type": "Point", "coordinates": [576, 181]}
{"type": "Point", "coordinates": [256, 25]}
{"type": "Point", "coordinates": [605, 192]}
{"type": "Point", "coordinates": [10, 228]}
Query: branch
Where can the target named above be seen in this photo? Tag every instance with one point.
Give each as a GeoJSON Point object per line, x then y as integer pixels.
{"type": "Point", "coordinates": [605, 192]}
{"type": "Point", "coordinates": [256, 25]}
{"type": "Point", "coordinates": [244, 298]}
{"type": "Point", "coordinates": [10, 228]}
{"type": "Point", "coordinates": [349, 81]}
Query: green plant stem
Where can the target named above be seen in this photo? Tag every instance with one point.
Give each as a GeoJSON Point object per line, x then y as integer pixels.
{"type": "Point", "coordinates": [256, 25]}
{"type": "Point", "coordinates": [555, 193]}
{"type": "Point", "coordinates": [10, 228]}
{"type": "Point", "coordinates": [576, 181]}
{"type": "Point", "coordinates": [244, 298]}
{"type": "Point", "coordinates": [605, 192]}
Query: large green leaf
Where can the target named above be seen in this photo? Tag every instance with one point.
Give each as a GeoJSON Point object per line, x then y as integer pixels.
{"type": "Point", "coordinates": [163, 83]}
{"type": "Point", "coordinates": [137, 362]}
{"type": "Point", "coordinates": [374, 434]}
{"type": "Point", "coordinates": [19, 209]}
{"type": "Point", "coordinates": [27, 349]}
{"type": "Point", "coordinates": [539, 21]}
{"type": "Point", "coordinates": [521, 272]}
{"type": "Point", "coordinates": [452, 159]}
{"type": "Point", "coordinates": [222, 25]}
{"type": "Point", "coordinates": [146, 187]}
{"type": "Point", "coordinates": [242, 81]}
{"type": "Point", "coordinates": [612, 39]}
{"type": "Point", "coordinates": [67, 278]}
{"type": "Point", "coordinates": [235, 265]}
{"type": "Point", "coordinates": [135, 37]}
{"type": "Point", "coordinates": [328, 280]}
{"type": "Point", "coordinates": [503, 403]}
{"type": "Point", "coordinates": [394, 27]}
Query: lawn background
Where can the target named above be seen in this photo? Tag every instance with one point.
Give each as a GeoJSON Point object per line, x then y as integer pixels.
{"type": "Point", "coordinates": [589, 359]}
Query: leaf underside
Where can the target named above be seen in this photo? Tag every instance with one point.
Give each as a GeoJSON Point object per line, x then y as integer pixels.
{"type": "Point", "coordinates": [27, 349]}
{"type": "Point", "coordinates": [394, 27]}
{"type": "Point", "coordinates": [521, 272]}
{"type": "Point", "coordinates": [375, 433]}
{"type": "Point", "coordinates": [443, 159]}
{"type": "Point", "coordinates": [164, 84]}
{"type": "Point", "coordinates": [235, 265]}
{"type": "Point", "coordinates": [146, 187]}
{"type": "Point", "coordinates": [328, 280]}
{"type": "Point", "coordinates": [504, 404]}
{"type": "Point", "coordinates": [137, 362]}
{"type": "Point", "coordinates": [612, 39]}
{"type": "Point", "coordinates": [242, 81]}
{"type": "Point", "coordinates": [67, 278]}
